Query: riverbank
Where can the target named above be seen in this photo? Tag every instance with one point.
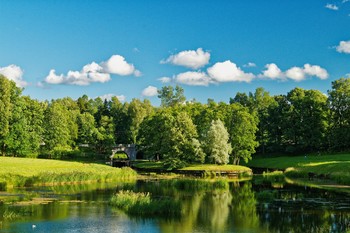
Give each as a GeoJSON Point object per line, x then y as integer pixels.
{"type": "Point", "coordinates": [201, 170]}
{"type": "Point", "coordinates": [24, 172]}
{"type": "Point", "coordinates": [317, 168]}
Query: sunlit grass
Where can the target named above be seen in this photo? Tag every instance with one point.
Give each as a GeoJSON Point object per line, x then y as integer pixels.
{"type": "Point", "coordinates": [21, 172]}
{"type": "Point", "coordinates": [214, 167]}
{"type": "Point", "coordinates": [334, 167]}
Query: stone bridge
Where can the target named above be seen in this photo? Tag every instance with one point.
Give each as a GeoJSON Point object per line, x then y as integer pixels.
{"type": "Point", "coordinates": [129, 149]}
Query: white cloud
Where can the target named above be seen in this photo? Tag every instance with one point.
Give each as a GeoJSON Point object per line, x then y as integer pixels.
{"type": "Point", "coordinates": [116, 64]}
{"type": "Point", "coordinates": [165, 79]}
{"type": "Point", "coordinates": [317, 71]}
{"type": "Point", "coordinates": [272, 71]}
{"type": "Point", "coordinates": [332, 7]}
{"type": "Point", "coordinates": [53, 78]}
{"type": "Point", "coordinates": [193, 78]}
{"type": "Point", "coordinates": [14, 73]}
{"type": "Point", "coordinates": [250, 64]}
{"type": "Point", "coordinates": [228, 72]}
{"type": "Point", "coordinates": [150, 91]}
{"type": "Point", "coordinates": [343, 47]}
{"type": "Point", "coordinates": [93, 72]}
{"type": "Point", "coordinates": [108, 97]}
{"type": "Point", "coordinates": [90, 73]}
{"type": "Point", "coordinates": [295, 73]}
{"type": "Point", "coordinates": [189, 58]}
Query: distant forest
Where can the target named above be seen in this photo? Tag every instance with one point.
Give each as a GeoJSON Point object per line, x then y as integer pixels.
{"type": "Point", "coordinates": [179, 131]}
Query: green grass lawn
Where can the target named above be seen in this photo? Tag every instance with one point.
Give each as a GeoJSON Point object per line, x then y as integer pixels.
{"type": "Point", "coordinates": [335, 166]}
{"type": "Point", "coordinates": [149, 165]}
{"type": "Point", "coordinates": [26, 172]}
{"type": "Point", "coordinates": [214, 167]}
{"type": "Point", "coordinates": [154, 166]}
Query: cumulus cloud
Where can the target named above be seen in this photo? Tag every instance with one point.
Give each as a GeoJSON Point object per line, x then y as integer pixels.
{"type": "Point", "coordinates": [228, 72]}
{"type": "Point", "coordinates": [14, 73]}
{"type": "Point", "coordinates": [272, 71]}
{"type": "Point", "coordinates": [90, 73]}
{"type": "Point", "coordinates": [108, 97]}
{"type": "Point", "coordinates": [317, 71]}
{"type": "Point", "coordinates": [343, 47]}
{"type": "Point", "coordinates": [165, 79]}
{"type": "Point", "coordinates": [295, 73]}
{"type": "Point", "coordinates": [332, 7]}
{"type": "Point", "coordinates": [116, 64]}
{"type": "Point", "coordinates": [193, 78]}
{"type": "Point", "coordinates": [93, 72]}
{"type": "Point", "coordinates": [150, 91]}
{"type": "Point", "coordinates": [189, 58]}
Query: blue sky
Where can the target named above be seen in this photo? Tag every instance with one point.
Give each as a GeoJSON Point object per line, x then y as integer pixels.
{"type": "Point", "coordinates": [213, 49]}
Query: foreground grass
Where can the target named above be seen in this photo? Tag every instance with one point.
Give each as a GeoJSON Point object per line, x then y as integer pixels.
{"type": "Point", "coordinates": [20, 172]}
{"type": "Point", "coordinates": [331, 166]}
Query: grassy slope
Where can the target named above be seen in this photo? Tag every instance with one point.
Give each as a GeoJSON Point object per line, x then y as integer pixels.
{"type": "Point", "coordinates": [335, 166]}
{"type": "Point", "coordinates": [26, 172]}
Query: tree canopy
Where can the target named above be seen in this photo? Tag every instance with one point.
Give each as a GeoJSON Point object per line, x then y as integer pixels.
{"type": "Point", "coordinates": [178, 132]}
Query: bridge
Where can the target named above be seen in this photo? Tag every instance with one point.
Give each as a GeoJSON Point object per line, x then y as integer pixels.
{"type": "Point", "coordinates": [128, 149]}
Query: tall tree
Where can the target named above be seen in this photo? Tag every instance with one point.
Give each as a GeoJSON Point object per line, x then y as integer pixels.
{"type": "Point", "coordinates": [171, 96]}
{"type": "Point", "coordinates": [57, 135]}
{"type": "Point", "coordinates": [9, 94]}
{"type": "Point", "coordinates": [242, 127]}
{"type": "Point", "coordinates": [86, 128]}
{"type": "Point", "coordinates": [339, 105]}
{"type": "Point", "coordinates": [121, 121]}
{"type": "Point", "coordinates": [104, 140]}
{"type": "Point", "coordinates": [261, 101]}
{"type": "Point", "coordinates": [26, 128]}
{"type": "Point", "coordinates": [307, 119]}
{"type": "Point", "coordinates": [137, 111]}
{"type": "Point", "coordinates": [278, 124]}
{"type": "Point", "coordinates": [171, 136]}
{"type": "Point", "coordinates": [216, 143]}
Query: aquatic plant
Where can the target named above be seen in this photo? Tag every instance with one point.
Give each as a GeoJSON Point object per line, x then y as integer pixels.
{"type": "Point", "coordinates": [142, 204]}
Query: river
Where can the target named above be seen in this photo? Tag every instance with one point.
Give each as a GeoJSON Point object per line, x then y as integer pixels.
{"type": "Point", "coordinates": [258, 205]}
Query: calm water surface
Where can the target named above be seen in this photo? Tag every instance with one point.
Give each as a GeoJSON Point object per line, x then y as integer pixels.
{"type": "Point", "coordinates": [251, 206]}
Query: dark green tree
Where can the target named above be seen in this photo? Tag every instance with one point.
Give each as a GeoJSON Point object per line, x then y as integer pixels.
{"type": "Point", "coordinates": [339, 105]}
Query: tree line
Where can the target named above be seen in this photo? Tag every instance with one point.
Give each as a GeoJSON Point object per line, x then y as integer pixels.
{"type": "Point", "coordinates": [179, 131]}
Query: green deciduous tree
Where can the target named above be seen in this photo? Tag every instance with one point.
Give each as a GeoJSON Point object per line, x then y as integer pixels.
{"type": "Point", "coordinates": [26, 127]}
{"type": "Point", "coordinates": [9, 94]}
{"type": "Point", "coordinates": [339, 105]}
{"type": "Point", "coordinates": [137, 111]}
{"type": "Point", "coordinates": [242, 127]}
{"type": "Point", "coordinates": [307, 119]}
{"type": "Point", "coordinates": [171, 96]}
{"type": "Point", "coordinates": [61, 126]}
{"type": "Point", "coordinates": [173, 137]}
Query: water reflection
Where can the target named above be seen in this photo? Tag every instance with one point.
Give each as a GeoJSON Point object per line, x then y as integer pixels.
{"type": "Point", "coordinates": [206, 206]}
